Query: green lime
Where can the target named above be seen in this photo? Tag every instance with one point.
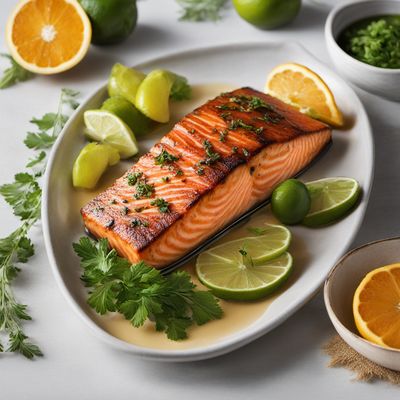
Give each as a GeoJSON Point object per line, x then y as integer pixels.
{"type": "Point", "coordinates": [124, 81]}
{"type": "Point", "coordinates": [152, 97]}
{"type": "Point", "coordinates": [105, 127]}
{"type": "Point", "coordinates": [91, 163]}
{"type": "Point", "coordinates": [331, 199]}
{"type": "Point", "coordinates": [125, 110]}
{"type": "Point", "coordinates": [267, 14]}
{"type": "Point", "coordinates": [112, 20]}
{"type": "Point", "coordinates": [238, 278]}
{"type": "Point", "coordinates": [290, 201]}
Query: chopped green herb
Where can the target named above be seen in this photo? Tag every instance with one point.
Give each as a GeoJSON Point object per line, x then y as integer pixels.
{"type": "Point", "coordinates": [246, 152]}
{"type": "Point", "coordinates": [125, 211]}
{"type": "Point", "coordinates": [212, 156]}
{"type": "Point", "coordinates": [222, 135]}
{"type": "Point", "coordinates": [113, 201]}
{"type": "Point", "coordinates": [166, 179]}
{"type": "Point", "coordinates": [235, 149]}
{"type": "Point", "coordinates": [143, 190]}
{"type": "Point", "coordinates": [179, 172]}
{"type": "Point", "coordinates": [181, 90]}
{"type": "Point", "coordinates": [132, 178]}
{"type": "Point", "coordinates": [137, 222]}
{"type": "Point", "coordinates": [201, 10]}
{"type": "Point", "coordinates": [162, 205]}
{"type": "Point", "coordinates": [200, 171]}
{"type": "Point", "coordinates": [192, 131]}
{"type": "Point", "coordinates": [225, 115]}
{"type": "Point", "coordinates": [138, 209]}
{"type": "Point", "coordinates": [141, 293]}
{"type": "Point", "coordinates": [110, 223]}
{"type": "Point", "coordinates": [14, 74]}
{"type": "Point", "coordinates": [165, 158]}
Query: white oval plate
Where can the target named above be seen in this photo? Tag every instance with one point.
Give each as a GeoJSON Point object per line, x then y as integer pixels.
{"type": "Point", "coordinates": [315, 251]}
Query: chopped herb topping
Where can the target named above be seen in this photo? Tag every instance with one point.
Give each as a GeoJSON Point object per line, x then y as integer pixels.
{"type": "Point", "coordinates": [162, 205]}
{"type": "Point", "coordinates": [124, 200]}
{"type": "Point", "coordinates": [113, 201]}
{"type": "Point", "coordinates": [165, 158]}
{"type": "Point", "coordinates": [212, 156]}
{"type": "Point", "coordinates": [235, 149]}
{"type": "Point", "coordinates": [132, 178]}
{"type": "Point", "coordinates": [269, 118]}
{"type": "Point", "coordinates": [138, 209]}
{"type": "Point", "coordinates": [137, 222]}
{"type": "Point", "coordinates": [225, 115]}
{"type": "Point", "coordinates": [222, 135]}
{"type": "Point", "coordinates": [125, 210]}
{"type": "Point", "coordinates": [192, 131]}
{"type": "Point", "coordinates": [179, 172]}
{"type": "Point", "coordinates": [246, 152]}
{"type": "Point", "coordinates": [143, 190]}
{"type": "Point", "coordinates": [200, 171]}
{"type": "Point", "coordinates": [166, 179]}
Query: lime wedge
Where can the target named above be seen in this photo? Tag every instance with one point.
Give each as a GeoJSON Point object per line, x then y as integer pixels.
{"type": "Point", "coordinates": [91, 163]}
{"type": "Point", "coordinates": [104, 126]}
{"type": "Point", "coordinates": [237, 278]}
{"type": "Point", "coordinates": [331, 199]}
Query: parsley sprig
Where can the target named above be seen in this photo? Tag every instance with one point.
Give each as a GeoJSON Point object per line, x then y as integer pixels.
{"type": "Point", "coordinates": [141, 293]}
{"type": "Point", "coordinates": [24, 196]}
{"type": "Point", "coordinates": [14, 74]}
{"type": "Point", "coordinates": [201, 10]}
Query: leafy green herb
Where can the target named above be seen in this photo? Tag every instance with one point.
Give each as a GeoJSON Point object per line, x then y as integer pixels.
{"type": "Point", "coordinates": [179, 172]}
{"type": "Point", "coordinates": [132, 178]}
{"type": "Point", "coordinates": [14, 74]}
{"type": "Point", "coordinates": [24, 196]}
{"type": "Point", "coordinates": [166, 179]}
{"type": "Point", "coordinates": [246, 153]}
{"type": "Point", "coordinates": [222, 135]}
{"type": "Point", "coordinates": [162, 205]}
{"type": "Point", "coordinates": [141, 293]}
{"type": "Point", "coordinates": [201, 10]}
{"type": "Point", "coordinates": [165, 158]}
{"type": "Point", "coordinates": [181, 90]}
{"type": "Point", "coordinates": [375, 41]}
{"type": "Point", "coordinates": [200, 171]}
{"type": "Point", "coordinates": [212, 156]}
{"type": "Point", "coordinates": [138, 222]}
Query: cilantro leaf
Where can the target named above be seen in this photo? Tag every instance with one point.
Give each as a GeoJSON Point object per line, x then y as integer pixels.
{"type": "Point", "coordinates": [181, 90]}
{"type": "Point", "coordinates": [140, 292]}
{"type": "Point", "coordinates": [201, 10]}
{"type": "Point", "coordinates": [40, 140]}
{"type": "Point", "coordinates": [14, 74]}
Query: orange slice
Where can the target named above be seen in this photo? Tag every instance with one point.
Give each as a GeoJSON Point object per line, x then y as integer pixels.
{"type": "Point", "coordinates": [48, 36]}
{"type": "Point", "coordinates": [376, 306]}
{"type": "Point", "coordinates": [301, 87]}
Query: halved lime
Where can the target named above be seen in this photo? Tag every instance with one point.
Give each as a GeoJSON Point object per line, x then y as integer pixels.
{"type": "Point", "coordinates": [152, 97]}
{"type": "Point", "coordinates": [331, 199]}
{"type": "Point", "coordinates": [236, 278]}
{"type": "Point", "coordinates": [91, 163]}
{"type": "Point", "coordinates": [105, 127]}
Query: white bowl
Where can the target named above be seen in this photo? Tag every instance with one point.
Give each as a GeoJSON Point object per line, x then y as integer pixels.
{"type": "Point", "coordinates": [384, 82]}
{"type": "Point", "coordinates": [339, 290]}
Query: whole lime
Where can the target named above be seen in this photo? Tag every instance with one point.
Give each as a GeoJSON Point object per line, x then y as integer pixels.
{"type": "Point", "coordinates": [291, 201]}
{"type": "Point", "coordinates": [112, 20]}
{"type": "Point", "coordinates": [267, 14]}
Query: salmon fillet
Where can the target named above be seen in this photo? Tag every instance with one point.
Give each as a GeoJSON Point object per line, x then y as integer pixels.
{"type": "Point", "coordinates": [214, 165]}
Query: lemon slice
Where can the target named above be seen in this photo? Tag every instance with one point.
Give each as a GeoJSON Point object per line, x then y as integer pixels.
{"type": "Point", "coordinates": [301, 87]}
{"type": "Point", "coordinates": [105, 127]}
{"type": "Point", "coordinates": [331, 199]}
{"type": "Point", "coordinates": [376, 306]}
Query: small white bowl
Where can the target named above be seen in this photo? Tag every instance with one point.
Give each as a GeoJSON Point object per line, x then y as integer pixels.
{"type": "Point", "coordinates": [339, 290]}
{"type": "Point", "coordinates": [384, 82]}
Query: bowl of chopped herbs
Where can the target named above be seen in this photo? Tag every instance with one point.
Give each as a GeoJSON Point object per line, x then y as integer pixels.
{"type": "Point", "coordinates": [363, 41]}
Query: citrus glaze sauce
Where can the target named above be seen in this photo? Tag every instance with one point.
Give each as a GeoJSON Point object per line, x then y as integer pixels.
{"type": "Point", "coordinates": [237, 315]}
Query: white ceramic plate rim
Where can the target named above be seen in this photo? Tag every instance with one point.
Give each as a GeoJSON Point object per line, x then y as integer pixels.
{"type": "Point", "coordinates": [252, 332]}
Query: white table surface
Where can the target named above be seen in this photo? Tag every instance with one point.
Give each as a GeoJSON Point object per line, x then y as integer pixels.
{"type": "Point", "coordinates": [286, 363]}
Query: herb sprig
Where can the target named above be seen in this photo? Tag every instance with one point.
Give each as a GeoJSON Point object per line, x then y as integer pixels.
{"type": "Point", "coordinates": [201, 10]}
{"type": "Point", "coordinates": [141, 293]}
{"type": "Point", "coordinates": [14, 74]}
{"type": "Point", "coordinates": [24, 196]}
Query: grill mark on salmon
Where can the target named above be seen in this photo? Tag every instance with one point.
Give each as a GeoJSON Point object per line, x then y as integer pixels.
{"type": "Point", "coordinates": [226, 158]}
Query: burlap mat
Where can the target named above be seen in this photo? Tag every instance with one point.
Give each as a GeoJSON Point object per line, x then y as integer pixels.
{"type": "Point", "coordinates": [342, 355]}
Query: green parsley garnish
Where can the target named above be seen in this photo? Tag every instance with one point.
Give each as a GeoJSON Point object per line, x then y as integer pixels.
{"type": "Point", "coordinates": [141, 293]}
{"type": "Point", "coordinates": [133, 177]}
{"type": "Point", "coordinates": [143, 190]}
{"type": "Point", "coordinates": [212, 156]}
{"type": "Point", "coordinates": [24, 196]}
{"type": "Point", "coordinates": [223, 134]}
{"type": "Point", "coordinates": [137, 222]}
{"type": "Point", "coordinates": [374, 41]}
{"type": "Point", "coordinates": [14, 74]}
{"type": "Point", "coordinates": [165, 158]}
{"type": "Point", "coordinates": [166, 179]}
{"type": "Point", "coordinates": [162, 205]}
{"type": "Point", "coordinates": [201, 10]}
{"type": "Point", "coordinates": [180, 90]}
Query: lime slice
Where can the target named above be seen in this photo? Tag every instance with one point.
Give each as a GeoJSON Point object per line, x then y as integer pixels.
{"type": "Point", "coordinates": [125, 110]}
{"type": "Point", "coordinates": [105, 127]}
{"type": "Point", "coordinates": [152, 97]}
{"type": "Point", "coordinates": [91, 163]}
{"type": "Point", "coordinates": [331, 199]}
{"type": "Point", "coordinates": [124, 81]}
{"type": "Point", "coordinates": [236, 278]}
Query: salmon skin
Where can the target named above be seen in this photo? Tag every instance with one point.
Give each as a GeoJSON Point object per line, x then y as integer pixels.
{"type": "Point", "coordinates": [214, 165]}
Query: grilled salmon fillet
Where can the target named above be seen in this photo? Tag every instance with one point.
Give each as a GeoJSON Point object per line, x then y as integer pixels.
{"type": "Point", "coordinates": [215, 164]}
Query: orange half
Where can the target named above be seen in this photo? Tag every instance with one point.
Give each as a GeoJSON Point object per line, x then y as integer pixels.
{"type": "Point", "coordinates": [376, 306]}
{"type": "Point", "coordinates": [48, 36]}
